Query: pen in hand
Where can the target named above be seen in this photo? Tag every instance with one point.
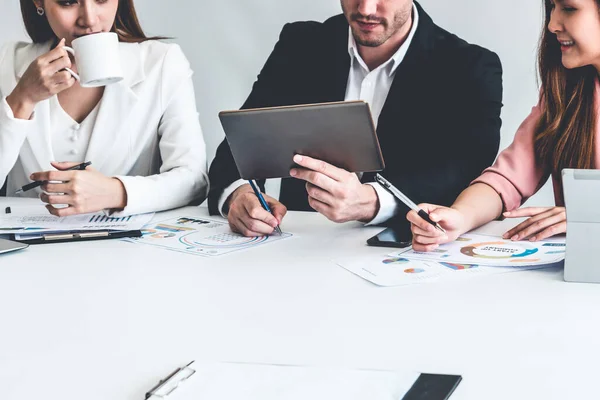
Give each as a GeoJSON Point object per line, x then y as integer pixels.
{"type": "Point", "coordinates": [409, 203]}
{"type": "Point", "coordinates": [35, 184]}
{"type": "Point", "coordinates": [263, 202]}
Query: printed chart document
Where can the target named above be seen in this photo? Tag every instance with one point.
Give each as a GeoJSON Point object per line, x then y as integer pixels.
{"type": "Point", "coordinates": [395, 270]}
{"type": "Point", "coordinates": [480, 249]}
{"type": "Point", "coordinates": [273, 382]}
{"type": "Point", "coordinates": [470, 255]}
{"type": "Point", "coordinates": [199, 236]}
{"type": "Point", "coordinates": [24, 224]}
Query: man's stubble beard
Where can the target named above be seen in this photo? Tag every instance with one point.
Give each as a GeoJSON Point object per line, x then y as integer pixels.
{"type": "Point", "coordinates": [400, 19]}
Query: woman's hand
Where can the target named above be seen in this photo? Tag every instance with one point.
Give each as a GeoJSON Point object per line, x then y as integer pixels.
{"type": "Point", "coordinates": [45, 77]}
{"type": "Point", "coordinates": [84, 191]}
{"type": "Point", "coordinates": [543, 223]}
{"type": "Point", "coordinates": [425, 236]}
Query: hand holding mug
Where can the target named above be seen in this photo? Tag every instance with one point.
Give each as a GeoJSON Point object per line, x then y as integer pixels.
{"type": "Point", "coordinates": [97, 59]}
{"type": "Point", "coordinates": [98, 63]}
{"type": "Point", "coordinates": [45, 77]}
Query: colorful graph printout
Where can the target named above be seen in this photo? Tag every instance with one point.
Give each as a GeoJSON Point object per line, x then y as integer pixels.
{"type": "Point", "coordinates": [379, 270]}
{"type": "Point", "coordinates": [199, 236]}
{"type": "Point", "coordinates": [492, 250]}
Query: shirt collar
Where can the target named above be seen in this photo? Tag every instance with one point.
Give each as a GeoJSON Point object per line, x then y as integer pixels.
{"type": "Point", "coordinates": [397, 58]}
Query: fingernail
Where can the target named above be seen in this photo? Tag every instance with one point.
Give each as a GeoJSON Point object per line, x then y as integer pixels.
{"type": "Point", "coordinates": [297, 158]}
{"type": "Point", "coordinates": [515, 237]}
{"type": "Point", "coordinates": [506, 213]}
{"type": "Point", "coordinates": [31, 176]}
{"type": "Point", "coordinates": [293, 172]}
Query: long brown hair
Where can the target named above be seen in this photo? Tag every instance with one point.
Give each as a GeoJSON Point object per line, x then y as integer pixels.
{"type": "Point", "coordinates": [565, 133]}
{"type": "Point", "coordinates": [126, 25]}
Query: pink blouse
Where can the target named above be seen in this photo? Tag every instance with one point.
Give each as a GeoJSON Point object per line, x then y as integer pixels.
{"type": "Point", "coordinates": [516, 175]}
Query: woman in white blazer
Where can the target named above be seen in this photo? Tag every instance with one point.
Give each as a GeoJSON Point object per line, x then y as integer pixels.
{"type": "Point", "coordinates": [142, 134]}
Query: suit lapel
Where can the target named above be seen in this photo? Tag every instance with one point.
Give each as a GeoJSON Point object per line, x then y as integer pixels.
{"type": "Point", "coordinates": [118, 101]}
{"type": "Point", "coordinates": [340, 63]}
{"type": "Point", "coordinates": [405, 87]}
{"type": "Point", "coordinates": [334, 69]}
{"type": "Point", "coordinates": [406, 81]}
{"type": "Point", "coordinates": [107, 137]}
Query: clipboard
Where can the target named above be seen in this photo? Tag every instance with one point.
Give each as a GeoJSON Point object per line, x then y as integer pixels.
{"type": "Point", "coordinates": [72, 236]}
{"type": "Point", "coordinates": [224, 381]}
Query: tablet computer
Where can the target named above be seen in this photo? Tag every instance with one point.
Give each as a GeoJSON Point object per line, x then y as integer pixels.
{"type": "Point", "coordinates": [581, 192]}
{"type": "Point", "coordinates": [264, 141]}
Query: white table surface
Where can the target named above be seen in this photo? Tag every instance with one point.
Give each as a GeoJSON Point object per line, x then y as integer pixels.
{"type": "Point", "coordinates": [108, 319]}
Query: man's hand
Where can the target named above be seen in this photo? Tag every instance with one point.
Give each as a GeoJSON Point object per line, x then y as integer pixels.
{"type": "Point", "coordinates": [336, 193]}
{"type": "Point", "coordinates": [246, 215]}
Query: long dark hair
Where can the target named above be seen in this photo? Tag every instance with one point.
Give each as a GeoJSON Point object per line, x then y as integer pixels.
{"type": "Point", "coordinates": [565, 133]}
{"type": "Point", "coordinates": [126, 26]}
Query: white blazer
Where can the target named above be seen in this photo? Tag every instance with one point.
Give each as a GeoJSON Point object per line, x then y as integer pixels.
{"type": "Point", "coordinates": [147, 133]}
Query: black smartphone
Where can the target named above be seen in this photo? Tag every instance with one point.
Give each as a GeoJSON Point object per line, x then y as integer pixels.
{"type": "Point", "coordinates": [433, 387]}
{"type": "Point", "coordinates": [391, 237]}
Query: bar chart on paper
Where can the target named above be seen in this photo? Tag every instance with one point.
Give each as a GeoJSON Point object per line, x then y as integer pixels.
{"type": "Point", "coordinates": [10, 223]}
{"type": "Point", "coordinates": [99, 219]}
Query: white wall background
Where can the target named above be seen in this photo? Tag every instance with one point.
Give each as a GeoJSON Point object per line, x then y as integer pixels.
{"type": "Point", "coordinates": [228, 41]}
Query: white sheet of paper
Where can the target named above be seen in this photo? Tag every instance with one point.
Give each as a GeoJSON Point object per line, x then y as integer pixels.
{"type": "Point", "coordinates": [396, 270]}
{"type": "Point", "coordinates": [473, 248]}
{"type": "Point", "coordinates": [274, 382]}
{"type": "Point", "coordinates": [15, 223]}
{"type": "Point", "coordinates": [199, 236]}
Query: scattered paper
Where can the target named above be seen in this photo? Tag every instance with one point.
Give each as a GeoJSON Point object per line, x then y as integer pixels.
{"type": "Point", "coordinates": [199, 236]}
{"type": "Point", "coordinates": [395, 270]}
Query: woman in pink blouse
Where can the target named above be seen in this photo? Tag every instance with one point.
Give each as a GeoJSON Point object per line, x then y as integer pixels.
{"type": "Point", "coordinates": [561, 132]}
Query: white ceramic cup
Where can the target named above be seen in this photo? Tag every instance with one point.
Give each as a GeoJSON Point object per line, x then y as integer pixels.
{"type": "Point", "coordinates": [97, 59]}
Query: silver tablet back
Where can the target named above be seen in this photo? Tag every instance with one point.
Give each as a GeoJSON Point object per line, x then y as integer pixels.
{"type": "Point", "coordinates": [264, 141]}
{"type": "Point", "coordinates": [582, 197]}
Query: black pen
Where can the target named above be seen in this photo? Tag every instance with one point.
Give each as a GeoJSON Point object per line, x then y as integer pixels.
{"type": "Point", "coordinates": [35, 184]}
{"type": "Point", "coordinates": [409, 203]}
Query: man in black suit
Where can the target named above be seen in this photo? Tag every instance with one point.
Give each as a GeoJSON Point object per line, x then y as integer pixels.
{"type": "Point", "coordinates": [435, 98]}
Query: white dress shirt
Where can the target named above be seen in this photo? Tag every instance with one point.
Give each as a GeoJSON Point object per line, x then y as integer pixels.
{"type": "Point", "coordinates": [372, 87]}
{"type": "Point", "coordinates": [145, 130]}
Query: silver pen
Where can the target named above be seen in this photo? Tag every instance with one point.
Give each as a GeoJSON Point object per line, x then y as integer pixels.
{"type": "Point", "coordinates": [409, 203]}
{"type": "Point", "coordinates": [167, 385]}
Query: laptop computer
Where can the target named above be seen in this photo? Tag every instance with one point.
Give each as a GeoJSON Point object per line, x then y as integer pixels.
{"type": "Point", "coordinates": [7, 246]}
{"type": "Point", "coordinates": [582, 195]}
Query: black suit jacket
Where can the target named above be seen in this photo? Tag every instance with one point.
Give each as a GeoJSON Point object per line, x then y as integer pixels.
{"type": "Point", "coordinates": [439, 127]}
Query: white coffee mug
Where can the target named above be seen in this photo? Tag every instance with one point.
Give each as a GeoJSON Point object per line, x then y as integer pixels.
{"type": "Point", "coordinates": [97, 59]}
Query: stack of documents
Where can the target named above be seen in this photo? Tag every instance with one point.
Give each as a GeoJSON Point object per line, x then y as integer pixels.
{"type": "Point", "coordinates": [47, 227]}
